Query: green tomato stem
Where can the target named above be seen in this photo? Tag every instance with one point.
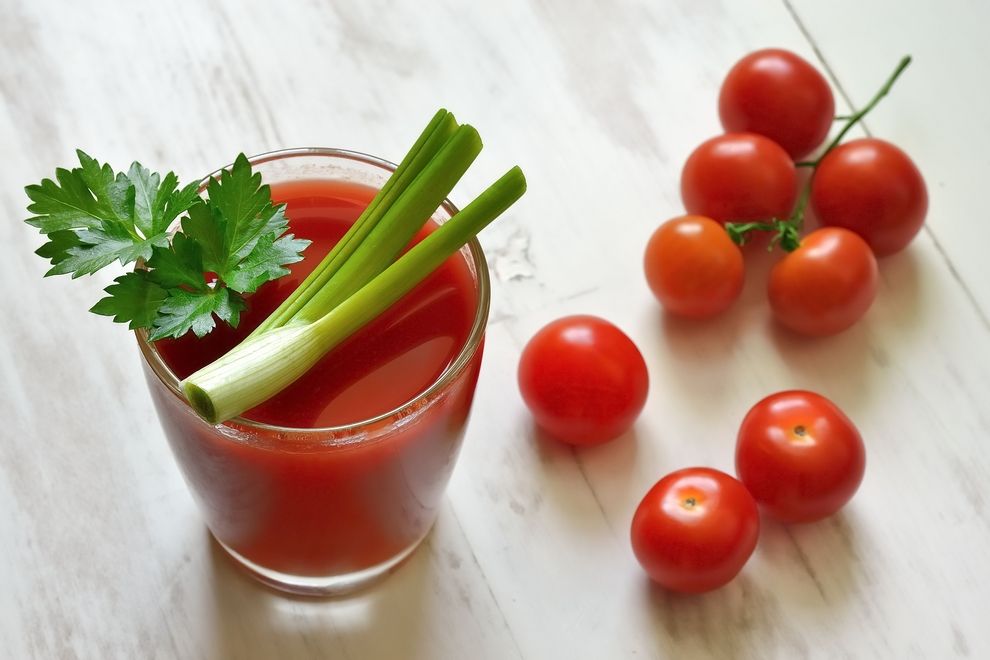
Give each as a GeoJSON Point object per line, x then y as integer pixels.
{"type": "Point", "coordinates": [788, 231]}
{"type": "Point", "coordinates": [857, 116]}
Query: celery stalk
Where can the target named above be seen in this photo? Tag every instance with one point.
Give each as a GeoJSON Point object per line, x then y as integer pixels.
{"type": "Point", "coordinates": [427, 145]}
{"type": "Point", "coordinates": [397, 227]}
{"type": "Point", "coordinates": [262, 366]}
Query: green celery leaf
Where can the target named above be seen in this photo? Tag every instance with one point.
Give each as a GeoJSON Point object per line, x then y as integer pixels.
{"type": "Point", "coordinates": [244, 208]}
{"type": "Point", "coordinates": [100, 247]}
{"type": "Point", "coordinates": [267, 262]}
{"type": "Point", "coordinates": [277, 224]}
{"type": "Point", "coordinates": [157, 201]}
{"type": "Point", "coordinates": [115, 216]}
{"type": "Point", "coordinates": [173, 203]}
{"type": "Point", "coordinates": [208, 231]}
{"type": "Point", "coordinates": [93, 216]}
{"type": "Point", "coordinates": [178, 265]}
{"type": "Point", "coordinates": [240, 230]}
{"type": "Point", "coordinates": [193, 310]}
{"type": "Point", "coordinates": [56, 250]}
{"type": "Point", "coordinates": [134, 299]}
{"type": "Point", "coordinates": [65, 205]}
{"type": "Point", "coordinates": [114, 192]}
{"type": "Point", "coordinates": [146, 187]}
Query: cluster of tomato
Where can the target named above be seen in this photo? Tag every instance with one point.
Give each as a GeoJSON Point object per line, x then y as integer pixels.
{"type": "Point", "coordinates": [867, 194]}
{"type": "Point", "coordinates": [797, 455]}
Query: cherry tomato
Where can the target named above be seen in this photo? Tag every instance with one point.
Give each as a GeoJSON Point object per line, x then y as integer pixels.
{"type": "Point", "coordinates": [693, 267]}
{"type": "Point", "coordinates": [825, 285]}
{"type": "Point", "coordinates": [739, 176]}
{"type": "Point", "coordinates": [777, 94]}
{"type": "Point", "coordinates": [583, 379]}
{"type": "Point", "coordinates": [695, 529]}
{"type": "Point", "coordinates": [871, 187]}
{"type": "Point", "coordinates": [799, 456]}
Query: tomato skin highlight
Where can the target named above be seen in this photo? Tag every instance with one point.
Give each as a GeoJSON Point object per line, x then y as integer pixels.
{"type": "Point", "coordinates": [583, 379]}
{"type": "Point", "coordinates": [693, 267]}
{"type": "Point", "coordinates": [800, 456]}
{"type": "Point", "coordinates": [779, 95]}
{"type": "Point", "coordinates": [825, 285]}
{"type": "Point", "coordinates": [871, 187]}
{"type": "Point", "coordinates": [739, 176]}
{"type": "Point", "coordinates": [695, 529]}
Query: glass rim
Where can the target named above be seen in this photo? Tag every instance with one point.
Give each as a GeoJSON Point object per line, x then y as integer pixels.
{"type": "Point", "coordinates": [452, 370]}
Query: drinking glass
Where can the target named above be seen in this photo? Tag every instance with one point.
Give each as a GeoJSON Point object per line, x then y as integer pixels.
{"type": "Point", "coordinates": [323, 511]}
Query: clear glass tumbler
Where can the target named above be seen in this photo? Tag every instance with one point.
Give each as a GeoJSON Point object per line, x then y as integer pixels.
{"type": "Point", "coordinates": [323, 511]}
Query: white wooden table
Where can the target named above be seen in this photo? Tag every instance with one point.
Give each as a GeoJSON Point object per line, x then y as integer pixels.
{"type": "Point", "coordinates": [102, 553]}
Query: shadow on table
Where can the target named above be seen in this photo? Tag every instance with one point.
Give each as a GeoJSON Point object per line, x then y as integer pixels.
{"type": "Point", "coordinates": [848, 366]}
{"type": "Point", "coordinates": [619, 454]}
{"type": "Point", "coordinates": [598, 466]}
{"type": "Point", "coordinates": [852, 365]}
{"type": "Point", "coordinates": [799, 576]}
{"type": "Point", "coordinates": [255, 621]}
{"type": "Point", "coordinates": [701, 355]}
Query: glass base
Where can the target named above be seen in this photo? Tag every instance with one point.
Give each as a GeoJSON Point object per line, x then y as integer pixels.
{"type": "Point", "coordinates": [332, 585]}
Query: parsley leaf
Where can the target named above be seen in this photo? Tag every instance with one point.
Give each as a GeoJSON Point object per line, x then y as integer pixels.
{"type": "Point", "coordinates": [57, 248]}
{"type": "Point", "coordinates": [134, 299]}
{"type": "Point", "coordinates": [115, 217]}
{"type": "Point", "coordinates": [68, 204]}
{"type": "Point", "coordinates": [230, 243]}
{"type": "Point", "coordinates": [179, 265]}
{"type": "Point", "coordinates": [242, 207]}
{"type": "Point", "coordinates": [201, 226]}
{"type": "Point", "coordinates": [266, 262]}
{"type": "Point", "coordinates": [157, 202]}
{"type": "Point", "coordinates": [244, 218]}
{"type": "Point", "coordinates": [193, 310]}
{"type": "Point", "coordinates": [97, 248]}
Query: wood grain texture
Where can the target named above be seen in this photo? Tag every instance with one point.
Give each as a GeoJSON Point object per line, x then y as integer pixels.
{"type": "Point", "coordinates": [103, 552]}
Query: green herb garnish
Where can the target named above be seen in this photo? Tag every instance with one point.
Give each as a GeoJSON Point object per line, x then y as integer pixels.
{"type": "Point", "coordinates": [231, 241]}
{"type": "Point", "coordinates": [361, 277]}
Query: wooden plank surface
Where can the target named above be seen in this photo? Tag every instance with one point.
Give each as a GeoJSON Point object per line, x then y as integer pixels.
{"type": "Point", "coordinates": [103, 553]}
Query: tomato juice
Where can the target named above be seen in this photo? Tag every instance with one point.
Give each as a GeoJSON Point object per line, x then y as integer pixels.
{"type": "Point", "coordinates": [280, 489]}
{"type": "Point", "coordinates": [378, 369]}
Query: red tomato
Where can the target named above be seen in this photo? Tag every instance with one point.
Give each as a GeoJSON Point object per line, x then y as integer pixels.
{"type": "Point", "coordinates": [695, 529]}
{"type": "Point", "coordinates": [777, 94]}
{"type": "Point", "coordinates": [693, 267]}
{"type": "Point", "coordinates": [739, 176]}
{"type": "Point", "coordinates": [825, 285]}
{"type": "Point", "coordinates": [583, 379]}
{"type": "Point", "coordinates": [799, 456]}
{"type": "Point", "coordinates": [872, 188]}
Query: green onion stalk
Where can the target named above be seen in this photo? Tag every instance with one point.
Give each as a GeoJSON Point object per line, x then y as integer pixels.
{"type": "Point", "coordinates": [362, 276]}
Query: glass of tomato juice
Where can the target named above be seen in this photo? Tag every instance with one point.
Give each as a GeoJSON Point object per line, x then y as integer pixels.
{"type": "Point", "coordinates": [337, 479]}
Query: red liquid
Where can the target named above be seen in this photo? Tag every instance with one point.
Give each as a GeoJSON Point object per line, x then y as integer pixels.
{"type": "Point", "coordinates": [382, 366]}
{"type": "Point", "coordinates": [313, 503]}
